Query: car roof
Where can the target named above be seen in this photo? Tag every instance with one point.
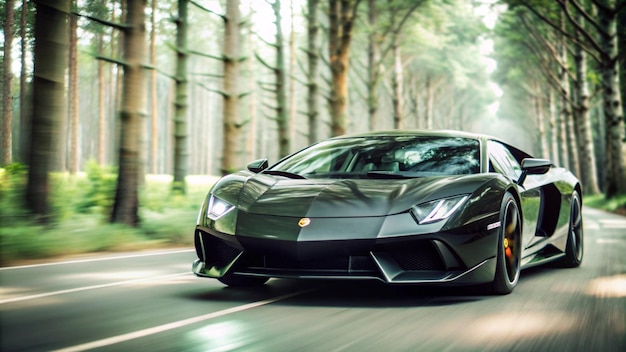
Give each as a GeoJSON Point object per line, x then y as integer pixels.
{"type": "Point", "coordinates": [433, 133]}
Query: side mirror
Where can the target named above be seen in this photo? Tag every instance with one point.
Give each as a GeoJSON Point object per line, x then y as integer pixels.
{"type": "Point", "coordinates": [531, 166]}
{"type": "Point", "coordinates": [258, 165]}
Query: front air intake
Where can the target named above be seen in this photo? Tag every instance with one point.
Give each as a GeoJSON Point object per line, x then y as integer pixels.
{"type": "Point", "coordinates": [213, 251]}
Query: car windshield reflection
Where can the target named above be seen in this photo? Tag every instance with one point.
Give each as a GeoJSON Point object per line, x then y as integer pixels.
{"type": "Point", "coordinates": [384, 157]}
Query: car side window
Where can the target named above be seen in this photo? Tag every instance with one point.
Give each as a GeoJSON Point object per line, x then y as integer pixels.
{"type": "Point", "coordinates": [503, 161]}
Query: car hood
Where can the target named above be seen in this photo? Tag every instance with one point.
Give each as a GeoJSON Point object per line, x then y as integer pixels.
{"type": "Point", "coordinates": [270, 195]}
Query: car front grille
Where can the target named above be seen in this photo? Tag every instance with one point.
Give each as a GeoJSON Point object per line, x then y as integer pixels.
{"type": "Point", "coordinates": [339, 264]}
{"type": "Point", "coordinates": [418, 255]}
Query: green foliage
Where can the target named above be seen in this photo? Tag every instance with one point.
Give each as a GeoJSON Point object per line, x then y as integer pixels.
{"type": "Point", "coordinates": [98, 189]}
{"type": "Point", "coordinates": [12, 191]}
{"type": "Point", "coordinates": [80, 206]}
{"type": "Point", "coordinates": [74, 236]}
{"type": "Point", "coordinates": [615, 204]}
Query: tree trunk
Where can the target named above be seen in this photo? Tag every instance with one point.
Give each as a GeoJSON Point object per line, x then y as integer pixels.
{"type": "Point", "coordinates": [114, 79]}
{"type": "Point", "coordinates": [292, 77]}
{"type": "Point", "coordinates": [25, 106]}
{"type": "Point", "coordinates": [543, 142]}
{"type": "Point", "coordinates": [372, 66]}
{"type": "Point", "coordinates": [251, 140]}
{"type": "Point", "coordinates": [73, 95]}
{"type": "Point", "coordinates": [341, 15]}
{"type": "Point", "coordinates": [589, 173]}
{"type": "Point", "coordinates": [251, 135]}
{"type": "Point", "coordinates": [232, 126]}
{"type": "Point", "coordinates": [133, 112]}
{"type": "Point", "coordinates": [154, 135]}
{"type": "Point", "coordinates": [564, 113]}
{"type": "Point", "coordinates": [118, 85]}
{"type": "Point", "coordinates": [102, 114]}
{"type": "Point", "coordinates": [313, 58]}
{"type": "Point", "coordinates": [429, 103]}
{"type": "Point", "coordinates": [554, 131]}
{"type": "Point", "coordinates": [397, 87]}
{"type": "Point", "coordinates": [282, 119]}
{"type": "Point", "coordinates": [7, 85]}
{"type": "Point", "coordinates": [51, 45]}
{"type": "Point", "coordinates": [615, 146]}
{"type": "Point", "coordinates": [180, 104]}
{"type": "Point", "coordinates": [562, 138]}
{"type": "Point", "coordinates": [567, 140]}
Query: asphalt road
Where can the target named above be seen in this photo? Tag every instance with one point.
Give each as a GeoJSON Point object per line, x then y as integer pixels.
{"type": "Point", "coordinates": [151, 301]}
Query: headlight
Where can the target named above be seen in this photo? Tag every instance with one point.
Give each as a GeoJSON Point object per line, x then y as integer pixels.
{"type": "Point", "coordinates": [218, 208]}
{"type": "Point", "coordinates": [437, 209]}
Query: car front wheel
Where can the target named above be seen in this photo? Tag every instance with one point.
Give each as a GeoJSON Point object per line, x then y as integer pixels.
{"type": "Point", "coordinates": [509, 247]}
{"type": "Point", "coordinates": [574, 248]}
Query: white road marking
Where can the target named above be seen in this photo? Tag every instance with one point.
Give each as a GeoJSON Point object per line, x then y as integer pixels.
{"type": "Point", "coordinates": [93, 287]}
{"type": "Point", "coordinates": [97, 259]}
{"type": "Point", "coordinates": [613, 226]}
{"type": "Point", "coordinates": [608, 241]}
{"type": "Point", "coordinates": [613, 221]}
{"type": "Point", "coordinates": [174, 325]}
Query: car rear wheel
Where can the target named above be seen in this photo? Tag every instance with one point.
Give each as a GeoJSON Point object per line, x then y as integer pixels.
{"type": "Point", "coordinates": [235, 280]}
{"type": "Point", "coordinates": [574, 248]}
{"type": "Point", "coordinates": [509, 247]}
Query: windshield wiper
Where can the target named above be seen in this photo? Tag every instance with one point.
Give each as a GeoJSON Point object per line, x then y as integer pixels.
{"type": "Point", "coordinates": [284, 174]}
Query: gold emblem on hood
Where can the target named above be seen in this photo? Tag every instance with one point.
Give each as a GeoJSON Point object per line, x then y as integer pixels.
{"type": "Point", "coordinates": [304, 222]}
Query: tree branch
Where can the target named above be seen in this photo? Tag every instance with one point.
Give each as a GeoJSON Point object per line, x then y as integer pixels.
{"type": "Point", "coordinates": [582, 11]}
{"type": "Point", "coordinates": [269, 106]}
{"type": "Point", "coordinates": [220, 58]}
{"type": "Point", "coordinates": [579, 28]}
{"type": "Point", "coordinates": [273, 45]}
{"type": "Point", "coordinates": [263, 62]}
{"type": "Point", "coordinates": [111, 60]}
{"type": "Point", "coordinates": [568, 35]}
{"type": "Point", "coordinates": [206, 74]}
{"type": "Point", "coordinates": [116, 25]}
{"type": "Point", "coordinates": [218, 91]}
{"type": "Point", "coordinates": [223, 17]}
{"type": "Point", "coordinates": [550, 48]}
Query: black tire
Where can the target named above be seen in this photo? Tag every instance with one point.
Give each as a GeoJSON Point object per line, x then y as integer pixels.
{"type": "Point", "coordinates": [575, 244]}
{"type": "Point", "coordinates": [234, 280]}
{"type": "Point", "coordinates": [508, 259]}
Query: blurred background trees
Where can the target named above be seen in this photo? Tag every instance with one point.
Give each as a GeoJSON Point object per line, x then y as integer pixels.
{"type": "Point", "coordinates": [219, 83]}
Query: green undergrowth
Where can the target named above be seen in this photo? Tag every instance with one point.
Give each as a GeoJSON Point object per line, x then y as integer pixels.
{"type": "Point", "coordinates": [615, 204]}
{"type": "Point", "coordinates": [80, 206]}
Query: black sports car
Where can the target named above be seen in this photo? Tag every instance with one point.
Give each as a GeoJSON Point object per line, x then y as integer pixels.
{"type": "Point", "coordinates": [403, 207]}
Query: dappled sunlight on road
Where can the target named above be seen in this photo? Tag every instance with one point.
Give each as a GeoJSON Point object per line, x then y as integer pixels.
{"type": "Point", "coordinates": [8, 292]}
{"type": "Point", "coordinates": [510, 327]}
{"type": "Point", "coordinates": [607, 287]}
{"type": "Point", "coordinates": [116, 275]}
{"type": "Point", "coordinates": [224, 336]}
{"type": "Point", "coordinates": [13, 294]}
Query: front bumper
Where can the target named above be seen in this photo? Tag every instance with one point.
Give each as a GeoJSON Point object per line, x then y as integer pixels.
{"type": "Point", "coordinates": [462, 257]}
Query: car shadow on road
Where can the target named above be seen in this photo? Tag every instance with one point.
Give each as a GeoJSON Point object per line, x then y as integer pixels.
{"type": "Point", "coordinates": [331, 293]}
{"type": "Point", "coordinates": [336, 293]}
{"type": "Point", "coordinates": [376, 294]}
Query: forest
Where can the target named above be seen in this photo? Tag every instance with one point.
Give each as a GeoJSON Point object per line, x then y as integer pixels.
{"type": "Point", "coordinates": [202, 87]}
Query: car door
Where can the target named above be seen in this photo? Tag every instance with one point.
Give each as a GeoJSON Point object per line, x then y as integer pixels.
{"type": "Point", "coordinates": [503, 160]}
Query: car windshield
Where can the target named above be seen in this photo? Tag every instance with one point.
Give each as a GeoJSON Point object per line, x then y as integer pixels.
{"type": "Point", "coordinates": [384, 157]}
